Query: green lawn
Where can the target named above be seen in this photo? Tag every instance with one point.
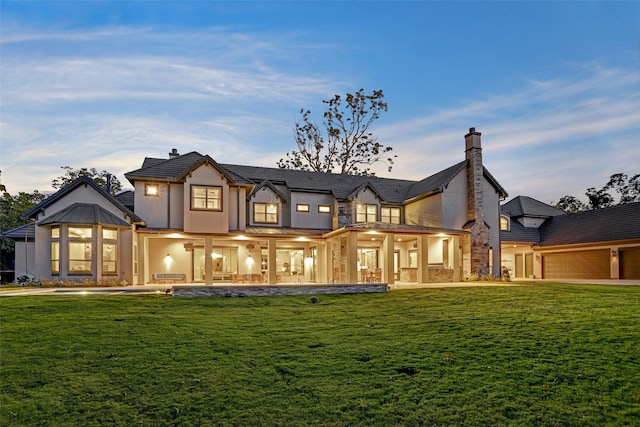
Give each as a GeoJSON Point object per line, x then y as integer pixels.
{"type": "Point", "coordinates": [540, 355]}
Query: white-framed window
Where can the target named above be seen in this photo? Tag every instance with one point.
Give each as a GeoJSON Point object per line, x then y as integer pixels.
{"type": "Point", "coordinates": [302, 207]}
{"type": "Point", "coordinates": [80, 249]}
{"type": "Point", "coordinates": [151, 190]}
{"type": "Point", "coordinates": [324, 209]}
{"type": "Point", "coordinates": [504, 223]}
{"type": "Point", "coordinates": [205, 197]}
{"type": "Point", "coordinates": [390, 215]}
{"type": "Point", "coordinates": [55, 250]}
{"type": "Point", "coordinates": [366, 213]}
{"type": "Point", "coordinates": [109, 251]}
{"type": "Point", "coordinates": [265, 213]}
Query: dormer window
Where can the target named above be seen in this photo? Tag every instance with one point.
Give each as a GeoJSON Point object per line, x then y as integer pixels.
{"type": "Point", "coordinates": [206, 198]}
{"type": "Point", "coordinates": [504, 223]}
{"type": "Point", "coordinates": [265, 213]}
{"type": "Point", "coordinates": [151, 190]}
{"type": "Point", "coordinates": [366, 213]}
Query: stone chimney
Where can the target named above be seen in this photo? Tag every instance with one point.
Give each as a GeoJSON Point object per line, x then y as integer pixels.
{"type": "Point", "coordinates": [473, 155]}
{"type": "Point", "coordinates": [479, 231]}
{"type": "Point", "coordinates": [174, 153]}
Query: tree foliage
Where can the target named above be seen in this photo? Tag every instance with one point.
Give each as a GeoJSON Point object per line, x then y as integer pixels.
{"type": "Point", "coordinates": [99, 178]}
{"type": "Point", "coordinates": [628, 190]}
{"type": "Point", "coordinates": [347, 145]}
{"type": "Point", "coordinates": [11, 207]}
{"type": "Point", "coordinates": [570, 204]}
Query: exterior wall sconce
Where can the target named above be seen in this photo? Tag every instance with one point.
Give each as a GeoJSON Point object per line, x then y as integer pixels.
{"type": "Point", "coordinates": [614, 253]}
{"type": "Point", "coordinates": [167, 262]}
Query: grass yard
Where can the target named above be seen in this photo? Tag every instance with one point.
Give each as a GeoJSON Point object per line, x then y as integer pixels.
{"type": "Point", "coordinates": [540, 355]}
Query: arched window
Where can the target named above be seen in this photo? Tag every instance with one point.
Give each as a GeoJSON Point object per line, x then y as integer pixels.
{"type": "Point", "coordinates": [504, 223]}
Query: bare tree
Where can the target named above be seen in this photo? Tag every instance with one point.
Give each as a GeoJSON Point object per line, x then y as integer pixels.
{"type": "Point", "coordinates": [348, 146]}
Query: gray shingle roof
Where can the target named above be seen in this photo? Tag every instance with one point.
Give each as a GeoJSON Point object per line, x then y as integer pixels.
{"type": "Point", "coordinates": [620, 222]}
{"type": "Point", "coordinates": [127, 198]}
{"type": "Point", "coordinates": [527, 206]}
{"type": "Point", "coordinates": [174, 168]}
{"type": "Point", "coordinates": [27, 231]}
{"type": "Point", "coordinates": [392, 191]}
{"type": "Point", "coordinates": [84, 213]}
{"type": "Point", "coordinates": [518, 233]}
{"type": "Point", "coordinates": [342, 186]}
{"type": "Point", "coordinates": [436, 182]}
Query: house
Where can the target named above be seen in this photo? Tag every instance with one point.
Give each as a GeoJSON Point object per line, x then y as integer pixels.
{"type": "Point", "coordinates": [192, 219]}
{"type": "Point", "coordinates": [540, 241]}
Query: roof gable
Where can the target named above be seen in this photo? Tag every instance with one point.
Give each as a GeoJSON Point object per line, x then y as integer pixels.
{"type": "Point", "coordinates": [435, 183]}
{"type": "Point", "coordinates": [67, 189]}
{"type": "Point", "coordinates": [364, 186]}
{"type": "Point", "coordinates": [175, 168]}
{"type": "Point", "coordinates": [270, 186]}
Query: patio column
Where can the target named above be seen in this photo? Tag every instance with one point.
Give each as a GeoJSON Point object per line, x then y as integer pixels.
{"type": "Point", "coordinates": [423, 259]}
{"type": "Point", "coordinates": [387, 259]}
{"type": "Point", "coordinates": [352, 257]}
{"type": "Point", "coordinates": [208, 261]}
{"type": "Point", "coordinates": [271, 248]}
{"type": "Point", "coordinates": [322, 275]}
{"type": "Point", "coordinates": [457, 266]}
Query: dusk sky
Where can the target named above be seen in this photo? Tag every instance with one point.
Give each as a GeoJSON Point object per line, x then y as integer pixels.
{"type": "Point", "coordinates": [554, 87]}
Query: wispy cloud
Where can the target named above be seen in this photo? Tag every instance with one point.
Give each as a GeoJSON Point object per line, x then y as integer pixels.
{"type": "Point", "coordinates": [590, 112]}
{"type": "Point", "coordinates": [108, 97]}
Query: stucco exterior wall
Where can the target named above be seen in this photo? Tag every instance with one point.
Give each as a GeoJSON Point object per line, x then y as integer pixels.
{"type": "Point", "coordinates": [454, 204]}
{"type": "Point", "coordinates": [204, 221]}
{"type": "Point", "coordinates": [492, 218]}
{"type": "Point", "coordinates": [24, 259]}
{"type": "Point", "coordinates": [154, 209]}
{"type": "Point", "coordinates": [426, 212]}
{"type": "Point", "coordinates": [313, 218]}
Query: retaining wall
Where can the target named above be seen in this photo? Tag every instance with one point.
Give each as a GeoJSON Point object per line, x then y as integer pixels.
{"type": "Point", "coordinates": [242, 291]}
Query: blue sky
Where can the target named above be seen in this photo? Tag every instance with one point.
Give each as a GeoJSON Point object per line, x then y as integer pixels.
{"type": "Point", "coordinates": [554, 87]}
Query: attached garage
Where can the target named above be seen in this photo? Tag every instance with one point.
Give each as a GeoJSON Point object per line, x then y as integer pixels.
{"type": "Point", "coordinates": [629, 263]}
{"type": "Point", "coordinates": [586, 264]}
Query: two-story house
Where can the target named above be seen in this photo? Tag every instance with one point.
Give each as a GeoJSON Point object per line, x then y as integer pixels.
{"type": "Point", "coordinates": [192, 218]}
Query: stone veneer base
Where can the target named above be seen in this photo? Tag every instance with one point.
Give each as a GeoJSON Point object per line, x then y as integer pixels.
{"type": "Point", "coordinates": [245, 291]}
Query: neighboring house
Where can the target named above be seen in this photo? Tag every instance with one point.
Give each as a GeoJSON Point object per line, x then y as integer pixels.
{"type": "Point", "coordinates": [540, 241]}
{"type": "Point", "coordinates": [195, 220]}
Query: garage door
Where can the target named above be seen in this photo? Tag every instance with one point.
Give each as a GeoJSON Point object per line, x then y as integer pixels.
{"type": "Point", "coordinates": [629, 263]}
{"type": "Point", "coordinates": [576, 265]}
